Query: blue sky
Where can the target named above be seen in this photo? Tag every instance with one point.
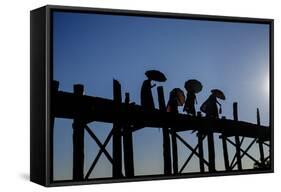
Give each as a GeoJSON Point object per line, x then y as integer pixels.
{"type": "Point", "coordinates": [93, 49]}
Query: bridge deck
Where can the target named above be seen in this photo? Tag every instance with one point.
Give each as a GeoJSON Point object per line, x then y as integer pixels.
{"type": "Point", "coordinates": [91, 109]}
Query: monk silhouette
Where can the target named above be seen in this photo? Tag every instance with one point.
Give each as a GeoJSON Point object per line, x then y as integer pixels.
{"type": "Point", "coordinates": [146, 95]}
{"type": "Point", "coordinates": [176, 99]}
{"type": "Point", "coordinates": [189, 105]}
{"type": "Point", "coordinates": [212, 108]}
{"type": "Point", "coordinates": [192, 87]}
{"type": "Point", "coordinates": [210, 105]}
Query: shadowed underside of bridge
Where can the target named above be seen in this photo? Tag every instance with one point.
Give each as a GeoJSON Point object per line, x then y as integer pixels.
{"type": "Point", "coordinates": [128, 117]}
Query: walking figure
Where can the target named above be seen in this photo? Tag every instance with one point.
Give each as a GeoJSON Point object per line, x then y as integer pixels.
{"type": "Point", "coordinates": [192, 87]}
{"type": "Point", "coordinates": [210, 105]}
{"type": "Point", "coordinates": [146, 92]}
{"type": "Point", "coordinates": [146, 95]}
{"type": "Point", "coordinates": [176, 99]}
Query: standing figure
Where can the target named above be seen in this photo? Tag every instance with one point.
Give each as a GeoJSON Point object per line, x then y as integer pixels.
{"type": "Point", "coordinates": [212, 108]}
{"type": "Point", "coordinates": [190, 101]}
{"type": "Point", "coordinates": [176, 99]}
{"type": "Point", "coordinates": [210, 105]}
{"type": "Point", "coordinates": [146, 92]}
{"type": "Point", "coordinates": [192, 87]}
{"type": "Point", "coordinates": [146, 95]}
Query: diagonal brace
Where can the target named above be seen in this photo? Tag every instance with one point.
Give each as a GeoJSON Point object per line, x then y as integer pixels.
{"type": "Point", "coordinates": [252, 158]}
{"type": "Point", "coordinates": [190, 148]}
{"type": "Point", "coordinates": [99, 154]}
{"type": "Point", "coordinates": [244, 153]}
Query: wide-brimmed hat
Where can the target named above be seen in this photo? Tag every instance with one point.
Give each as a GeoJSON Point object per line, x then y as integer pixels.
{"type": "Point", "coordinates": [156, 75]}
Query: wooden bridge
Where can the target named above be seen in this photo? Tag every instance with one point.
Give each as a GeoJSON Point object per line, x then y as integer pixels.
{"type": "Point", "coordinates": [128, 117]}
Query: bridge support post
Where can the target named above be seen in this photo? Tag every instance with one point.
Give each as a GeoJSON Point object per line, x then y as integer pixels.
{"type": "Point", "coordinates": [116, 141]}
{"type": "Point", "coordinates": [211, 151]}
{"type": "Point", "coordinates": [175, 151]}
{"type": "Point", "coordinates": [237, 140]}
{"type": "Point", "coordinates": [225, 151]}
{"type": "Point", "coordinates": [200, 147]}
{"type": "Point", "coordinates": [128, 144]}
{"type": "Point", "coordinates": [260, 142]}
{"type": "Point", "coordinates": [166, 137]}
{"type": "Point", "coordinates": [78, 139]}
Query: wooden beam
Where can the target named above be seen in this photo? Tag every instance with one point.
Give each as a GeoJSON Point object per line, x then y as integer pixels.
{"type": "Point", "coordinates": [128, 144]}
{"type": "Point", "coordinates": [260, 142]}
{"type": "Point", "coordinates": [175, 151]}
{"type": "Point", "coordinates": [78, 139]}
{"type": "Point", "coordinates": [117, 145]}
{"type": "Point", "coordinates": [99, 154]}
{"type": "Point", "coordinates": [200, 137]}
{"type": "Point", "coordinates": [188, 159]}
{"type": "Point", "coordinates": [237, 140]}
{"type": "Point", "coordinates": [244, 153]}
{"type": "Point", "coordinates": [102, 148]}
{"type": "Point", "coordinates": [211, 152]}
{"type": "Point", "coordinates": [166, 137]}
{"type": "Point", "coordinates": [103, 110]}
{"type": "Point", "coordinates": [242, 150]}
{"type": "Point", "coordinates": [225, 151]}
{"type": "Point", "coordinates": [190, 148]}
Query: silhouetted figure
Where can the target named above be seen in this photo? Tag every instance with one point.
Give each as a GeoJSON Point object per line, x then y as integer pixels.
{"type": "Point", "coordinates": [172, 105]}
{"type": "Point", "coordinates": [176, 99]}
{"type": "Point", "coordinates": [210, 105]}
{"type": "Point", "coordinates": [192, 87]}
{"type": "Point", "coordinates": [190, 101]}
{"type": "Point", "coordinates": [146, 95]}
{"type": "Point", "coordinates": [212, 108]}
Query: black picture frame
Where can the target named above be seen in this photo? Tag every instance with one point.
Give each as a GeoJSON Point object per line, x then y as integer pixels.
{"type": "Point", "coordinates": [41, 84]}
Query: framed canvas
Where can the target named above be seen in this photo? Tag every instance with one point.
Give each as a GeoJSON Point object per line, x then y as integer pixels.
{"type": "Point", "coordinates": [119, 95]}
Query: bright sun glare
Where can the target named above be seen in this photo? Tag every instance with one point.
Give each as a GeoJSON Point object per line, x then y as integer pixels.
{"type": "Point", "coordinates": [266, 85]}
